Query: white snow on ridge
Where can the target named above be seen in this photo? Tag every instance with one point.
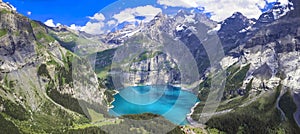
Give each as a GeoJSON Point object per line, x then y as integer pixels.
{"type": "Point", "coordinates": [180, 28]}
{"type": "Point", "coordinates": [129, 34]}
{"type": "Point", "coordinates": [216, 29]}
{"type": "Point", "coordinates": [190, 18]}
{"type": "Point", "coordinates": [245, 29]}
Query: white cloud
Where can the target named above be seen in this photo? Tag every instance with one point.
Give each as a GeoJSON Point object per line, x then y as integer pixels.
{"type": "Point", "coordinates": [111, 22]}
{"type": "Point", "coordinates": [50, 23]}
{"type": "Point", "coordinates": [93, 28]}
{"type": "Point", "coordinates": [29, 13]}
{"type": "Point", "coordinates": [178, 3]}
{"type": "Point", "coordinates": [222, 9]}
{"type": "Point", "coordinates": [98, 17]}
{"type": "Point", "coordinates": [129, 14]}
{"type": "Point", "coordinates": [101, 25]}
{"type": "Point", "coordinates": [75, 27]}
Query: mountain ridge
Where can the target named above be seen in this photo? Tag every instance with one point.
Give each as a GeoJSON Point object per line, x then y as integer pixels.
{"type": "Point", "coordinates": [37, 68]}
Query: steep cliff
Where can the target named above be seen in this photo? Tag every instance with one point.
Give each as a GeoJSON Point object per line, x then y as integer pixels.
{"type": "Point", "coordinates": [153, 68]}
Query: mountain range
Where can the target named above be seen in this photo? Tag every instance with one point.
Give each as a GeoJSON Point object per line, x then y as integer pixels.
{"type": "Point", "coordinates": [52, 80]}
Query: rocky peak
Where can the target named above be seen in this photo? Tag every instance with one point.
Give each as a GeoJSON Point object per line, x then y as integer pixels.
{"type": "Point", "coordinates": [60, 28]}
{"type": "Point", "coordinates": [183, 13]}
{"type": "Point", "coordinates": [158, 19]}
{"type": "Point", "coordinates": [159, 15]}
{"type": "Point", "coordinates": [119, 36]}
{"type": "Point", "coordinates": [235, 24]}
{"type": "Point", "coordinates": [237, 14]}
{"type": "Point", "coordinates": [278, 10]}
{"type": "Point", "coordinates": [6, 6]}
{"type": "Point", "coordinates": [266, 17]}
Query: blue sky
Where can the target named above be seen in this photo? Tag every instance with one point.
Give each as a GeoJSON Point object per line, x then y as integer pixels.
{"type": "Point", "coordinates": [64, 11]}
{"type": "Point", "coordinates": [102, 16]}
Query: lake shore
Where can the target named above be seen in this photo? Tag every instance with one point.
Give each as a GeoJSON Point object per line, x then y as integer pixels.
{"type": "Point", "coordinates": [296, 97]}
{"type": "Point", "coordinates": [165, 98]}
{"type": "Point", "coordinates": [190, 119]}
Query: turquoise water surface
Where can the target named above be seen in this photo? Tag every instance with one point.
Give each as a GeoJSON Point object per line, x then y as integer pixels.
{"type": "Point", "coordinates": [170, 102]}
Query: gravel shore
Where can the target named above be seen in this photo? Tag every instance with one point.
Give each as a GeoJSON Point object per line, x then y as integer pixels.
{"type": "Point", "coordinates": [296, 96]}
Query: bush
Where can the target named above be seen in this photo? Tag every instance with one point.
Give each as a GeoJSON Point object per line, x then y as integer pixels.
{"type": "Point", "coordinates": [286, 103]}
{"type": "Point", "coordinates": [16, 111]}
{"type": "Point", "coordinates": [65, 100]}
{"type": "Point", "coordinates": [7, 127]}
{"type": "Point", "coordinates": [42, 71]}
{"type": "Point", "coordinates": [3, 32]}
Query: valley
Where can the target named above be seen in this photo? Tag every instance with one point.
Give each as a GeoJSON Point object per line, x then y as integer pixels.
{"type": "Point", "coordinates": [164, 76]}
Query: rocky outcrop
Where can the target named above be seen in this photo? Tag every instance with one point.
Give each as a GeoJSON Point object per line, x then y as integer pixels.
{"type": "Point", "coordinates": [273, 54]}
{"type": "Point", "coordinates": [17, 47]}
{"type": "Point", "coordinates": [264, 72]}
{"type": "Point", "coordinates": [160, 69]}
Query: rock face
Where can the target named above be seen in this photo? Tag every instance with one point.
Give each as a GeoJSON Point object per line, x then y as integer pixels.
{"type": "Point", "coordinates": [158, 70]}
{"type": "Point", "coordinates": [17, 51]}
{"type": "Point", "coordinates": [274, 49]}
{"type": "Point", "coordinates": [235, 24]}
{"type": "Point", "coordinates": [17, 43]}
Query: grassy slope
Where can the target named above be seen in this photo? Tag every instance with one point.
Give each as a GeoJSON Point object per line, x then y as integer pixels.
{"type": "Point", "coordinates": [234, 80]}
{"type": "Point", "coordinates": [260, 116]}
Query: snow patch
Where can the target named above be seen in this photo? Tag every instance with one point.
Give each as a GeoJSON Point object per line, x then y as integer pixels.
{"type": "Point", "coordinates": [190, 18]}
{"type": "Point", "coordinates": [180, 28]}
{"type": "Point", "coordinates": [129, 34]}
{"type": "Point", "coordinates": [216, 29]}
{"type": "Point", "coordinates": [245, 29]}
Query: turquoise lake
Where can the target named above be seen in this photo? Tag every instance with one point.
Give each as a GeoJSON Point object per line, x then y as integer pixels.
{"type": "Point", "coordinates": [170, 102]}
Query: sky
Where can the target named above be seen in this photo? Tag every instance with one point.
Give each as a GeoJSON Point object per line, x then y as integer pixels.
{"type": "Point", "coordinates": [101, 16]}
{"type": "Point", "coordinates": [64, 11]}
